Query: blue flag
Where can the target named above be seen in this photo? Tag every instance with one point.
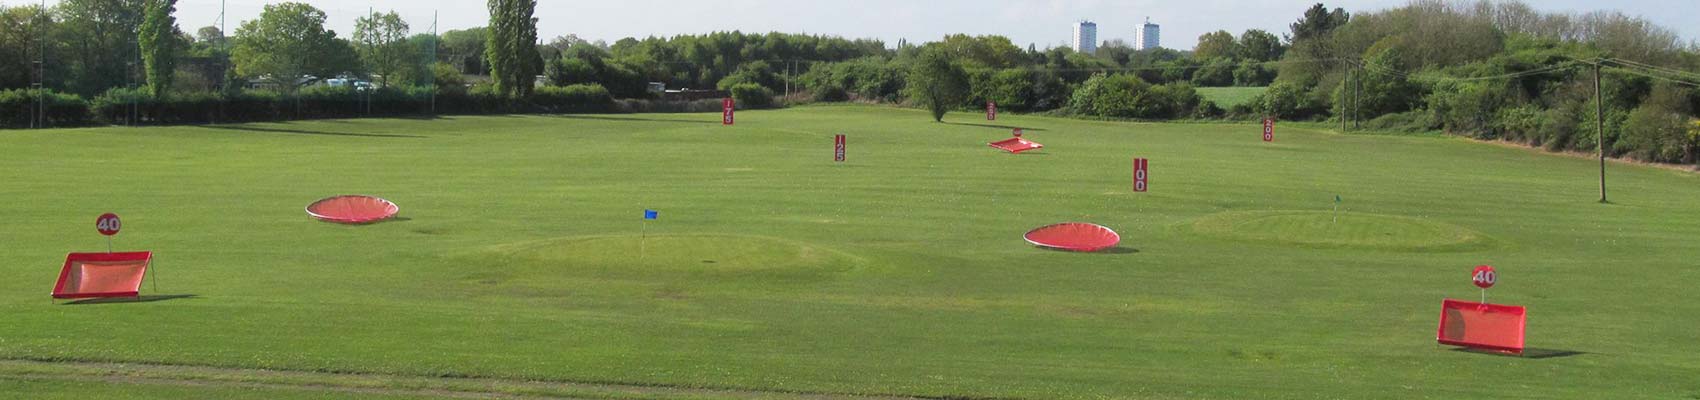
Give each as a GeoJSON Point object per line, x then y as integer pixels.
{"type": "Point", "coordinates": [651, 214]}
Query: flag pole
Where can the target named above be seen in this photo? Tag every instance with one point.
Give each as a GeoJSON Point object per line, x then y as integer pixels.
{"type": "Point", "coordinates": [1336, 209]}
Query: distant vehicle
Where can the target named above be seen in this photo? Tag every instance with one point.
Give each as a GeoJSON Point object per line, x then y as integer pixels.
{"type": "Point", "coordinates": [347, 81]}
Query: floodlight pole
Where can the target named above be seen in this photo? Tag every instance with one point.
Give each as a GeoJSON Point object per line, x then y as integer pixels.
{"type": "Point", "coordinates": [431, 62]}
{"type": "Point", "coordinates": [1600, 128]}
{"type": "Point", "coordinates": [38, 117]}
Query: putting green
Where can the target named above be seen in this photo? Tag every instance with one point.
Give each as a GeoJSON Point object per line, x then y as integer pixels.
{"type": "Point", "coordinates": [1347, 229]}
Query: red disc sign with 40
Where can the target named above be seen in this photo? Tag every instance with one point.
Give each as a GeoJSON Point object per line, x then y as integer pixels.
{"type": "Point", "coordinates": [108, 224]}
{"type": "Point", "coordinates": [1484, 276]}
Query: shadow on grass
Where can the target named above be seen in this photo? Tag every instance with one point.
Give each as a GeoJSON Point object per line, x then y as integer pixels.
{"type": "Point", "coordinates": [1004, 127]}
{"type": "Point", "coordinates": [139, 299]}
{"type": "Point", "coordinates": [1533, 353]}
{"type": "Point", "coordinates": [637, 119]}
{"type": "Point", "coordinates": [390, 219]}
{"type": "Point", "coordinates": [243, 128]}
{"type": "Point", "coordinates": [1112, 250]}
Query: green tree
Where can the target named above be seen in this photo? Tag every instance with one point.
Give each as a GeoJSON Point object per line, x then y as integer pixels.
{"type": "Point", "coordinates": [1216, 72]}
{"type": "Point", "coordinates": [512, 46]}
{"type": "Point", "coordinates": [19, 26]}
{"type": "Point", "coordinates": [160, 41]}
{"type": "Point", "coordinates": [1215, 44]}
{"type": "Point", "coordinates": [937, 82]}
{"type": "Point", "coordinates": [96, 40]}
{"type": "Point", "coordinates": [382, 43]}
{"type": "Point", "coordinates": [464, 49]}
{"type": "Point", "coordinates": [287, 42]}
{"type": "Point", "coordinates": [1313, 44]}
{"type": "Point", "coordinates": [1259, 45]}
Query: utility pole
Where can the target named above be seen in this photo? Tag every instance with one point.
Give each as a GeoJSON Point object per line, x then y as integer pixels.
{"type": "Point", "coordinates": [1357, 89]}
{"type": "Point", "coordinates": [1345, 80]}
{"type": "Point", "coordinates": [1600, 127]}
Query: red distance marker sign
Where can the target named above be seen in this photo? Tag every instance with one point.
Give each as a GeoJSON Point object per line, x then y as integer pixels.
{"type": "Point", "coordinates": [108, 224]}
{"type": "Point", "coordinates": [1017, 132]}
{"type": "Point", "coordinates": [1484, 276]}
{"type": "Point", "coordinates": [1268, 129]}
{"type": "Point", "coordinates": [991, 111]}
{"type": "Point", "coordinates": [726, 107]}
{"type": "Point", "coordinates": [838, 148]}
{"type": "Point", "coordinates": [1141, 174]}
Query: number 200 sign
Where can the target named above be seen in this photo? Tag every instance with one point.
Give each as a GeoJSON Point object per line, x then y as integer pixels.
{"type": "Point", "coordinates": [1484, 276]}
{"type": "Point", "coordinates": [108, 224]}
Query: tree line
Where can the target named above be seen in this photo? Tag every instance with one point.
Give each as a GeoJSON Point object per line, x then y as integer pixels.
{"type": "Point", "coordinates": [1491, 70]}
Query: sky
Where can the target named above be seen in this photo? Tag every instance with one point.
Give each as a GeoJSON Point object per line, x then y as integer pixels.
{"type": "Point", "coordinates": [1045, 23]}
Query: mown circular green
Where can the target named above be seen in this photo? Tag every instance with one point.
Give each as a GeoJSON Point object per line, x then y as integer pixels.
{"type": "Point", "coordinates": [702, 255]}
{"type": "Point", "coordinates": [1346, 229]}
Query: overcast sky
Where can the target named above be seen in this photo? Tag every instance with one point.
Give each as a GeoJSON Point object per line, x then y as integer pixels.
{"type": "Point", "coordinates": [1042, 22]}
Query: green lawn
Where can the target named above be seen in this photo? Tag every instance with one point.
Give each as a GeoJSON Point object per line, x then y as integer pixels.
{"type": "Point", "coordinates": [522, 256]}
{"type": "Point", "coordinates": [1227, 97]}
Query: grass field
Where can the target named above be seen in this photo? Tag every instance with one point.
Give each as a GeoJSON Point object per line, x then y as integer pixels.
{"type": "Point", "coordinates": [1227, 97]}
{"type": "Point", "coordinates": [521, 266]}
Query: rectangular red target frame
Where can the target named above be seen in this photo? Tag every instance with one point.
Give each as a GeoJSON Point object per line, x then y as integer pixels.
{"type": "Point", "coordinates": [91, 275]}
{"type": "Point", "coordinates": [727, 106]}
{"type": "Point", "coordinates": [838, 148]}
{"type": "Point", "coordinates": [1141, 174]}
{"type": "Point", "coordinates": [1483, 326]}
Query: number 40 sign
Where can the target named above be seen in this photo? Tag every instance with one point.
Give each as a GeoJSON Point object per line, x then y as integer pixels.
{"type": "Point", "coordinates": [1484, 276]}
{"type": "Point", "coordinates": [108, 224]}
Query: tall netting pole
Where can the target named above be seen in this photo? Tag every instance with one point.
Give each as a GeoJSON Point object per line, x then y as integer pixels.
{"type": "Point", "coordinates": [431, 64]}
{"type": "Point", "coordinates": [38, 116]}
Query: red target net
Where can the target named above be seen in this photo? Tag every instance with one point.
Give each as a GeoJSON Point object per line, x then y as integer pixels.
{"type": "Point", "coordinates": [91, 275]}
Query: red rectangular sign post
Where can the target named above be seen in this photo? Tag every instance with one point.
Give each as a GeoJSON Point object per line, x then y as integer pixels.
{"type": "Point", "coordinates": [1268, 129]}
{"type": "Point", "coordinates": [838, 148]}
{"type": "Point", "coordinates": [1141, 174]}
{"type": "Point", "coordinates": [726, 107]}
{"type": "Point", "coordinates": [991, 111]}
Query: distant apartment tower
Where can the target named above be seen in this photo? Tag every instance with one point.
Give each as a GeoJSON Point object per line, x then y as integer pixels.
{"type": "Point", "coordinates": [1149, 36]}
{"type": "Point", "coordinates": [1086, 37]}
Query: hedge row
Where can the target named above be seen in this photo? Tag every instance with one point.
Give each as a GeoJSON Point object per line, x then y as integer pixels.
{"type": "Point", "coordinates": [124, 106]}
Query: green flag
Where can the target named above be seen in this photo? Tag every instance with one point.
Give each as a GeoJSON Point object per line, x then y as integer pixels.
{"type": "Point", "coordinates": [1336, 199]}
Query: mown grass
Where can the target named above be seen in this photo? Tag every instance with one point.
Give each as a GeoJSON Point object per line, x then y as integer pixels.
{"type": "Point", "coordinates": [901, 271]}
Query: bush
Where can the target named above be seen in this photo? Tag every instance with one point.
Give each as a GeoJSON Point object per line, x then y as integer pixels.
{"type": "Point", "coordinates": [1127, 96]}
{"type": "Point", "coordinates": [869, 78]}
{"type": "Point", "coordinates": [830, 92]}
{"type": "Point", "coordinates": [63, 109]}
{"type": "Point", "coordinates": [1215, 73]}
{"type": "Point", "coordinates": [1409, 122]}
{"type": "Point", "coordinates": [1286, 100]}
{"type": "Point", "coordinates": [752, 96]}
{"type": "Point", "coordinates": [588, 98]}
{"type": "Point", "coordinates": [1253, 74]}
{"type": "Point", "coordinates": [658, 106]}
